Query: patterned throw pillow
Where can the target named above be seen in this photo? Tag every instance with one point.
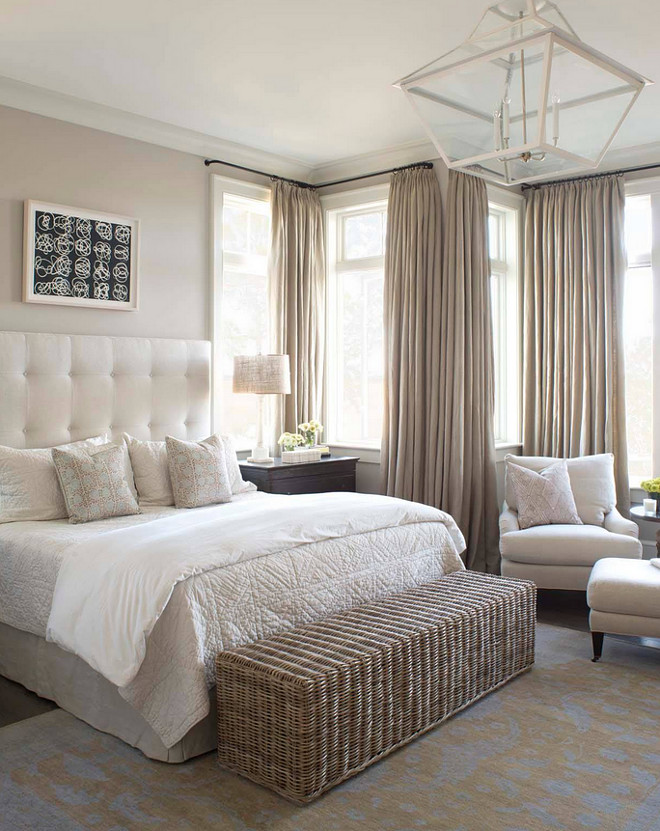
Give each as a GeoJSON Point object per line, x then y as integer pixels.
{"type": "Point", "coordinates": [94, 483]}
{"type": "Point", "coordinates": [543, 498]}
{"type": "Point", "coordinates": [198, 471]}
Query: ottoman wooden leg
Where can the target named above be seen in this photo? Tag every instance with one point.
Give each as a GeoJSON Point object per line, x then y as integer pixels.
{"type": "Point", "coordinates": [597, 641]}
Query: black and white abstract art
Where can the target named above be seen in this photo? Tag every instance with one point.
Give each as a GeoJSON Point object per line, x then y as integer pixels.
{"type": "Point", "coordinates": [78, 257]}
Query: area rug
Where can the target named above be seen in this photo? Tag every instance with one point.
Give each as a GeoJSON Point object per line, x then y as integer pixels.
{"type": "Point", "coordinates": [570, 745]}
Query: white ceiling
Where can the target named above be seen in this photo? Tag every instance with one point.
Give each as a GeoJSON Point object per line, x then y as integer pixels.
{"type": "Point", "coordinates": [304, 79]}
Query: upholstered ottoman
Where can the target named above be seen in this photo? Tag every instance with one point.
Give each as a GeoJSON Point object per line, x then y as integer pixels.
{"type": "Point", "coordinates": [624, 598]}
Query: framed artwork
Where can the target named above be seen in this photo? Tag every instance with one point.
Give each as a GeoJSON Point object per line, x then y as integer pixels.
{"type": "Point", "coordinates": [78, 257]}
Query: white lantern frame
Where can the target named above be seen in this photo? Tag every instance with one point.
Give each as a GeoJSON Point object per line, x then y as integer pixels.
{"type": "Point", "coordinates": [549, 37]}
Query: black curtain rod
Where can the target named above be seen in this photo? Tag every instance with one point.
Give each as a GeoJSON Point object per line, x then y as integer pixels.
{"type": "Point", "coordinates": [273, 177]}
{"type": "Point", "coordinates": [620, 172]}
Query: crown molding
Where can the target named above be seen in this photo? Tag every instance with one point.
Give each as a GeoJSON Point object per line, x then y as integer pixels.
{"type": "Point", "coordinates": [640, 154]}
{"type": "Point", "coordinates": [46, 102]}
{"type": "Point", "coordinates": [403, 154]}
{"type": "Point", "coordinates": [41, 101]}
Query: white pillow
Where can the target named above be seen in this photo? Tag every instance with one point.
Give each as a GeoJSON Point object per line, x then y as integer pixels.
{"type": "Point", "coordinates": [238, 484]}
{"type": "Point", "coordinates": [29, 488]}
{"type": "Point", "coordinates": [592, 483]}
{"type": "Point", "coordinates": [543, 498]}
{"type": "Point", "coordinates": [152, 475]}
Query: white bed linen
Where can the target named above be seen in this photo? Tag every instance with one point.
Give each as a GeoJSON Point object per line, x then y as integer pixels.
{"type": "Point", "coordinates": [243, 593]}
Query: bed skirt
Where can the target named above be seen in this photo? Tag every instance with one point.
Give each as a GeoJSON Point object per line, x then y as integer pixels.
{"type": "Point", "coordinates": [73, 685]}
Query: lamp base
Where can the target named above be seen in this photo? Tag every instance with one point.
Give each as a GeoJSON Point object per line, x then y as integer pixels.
{"type": "Point", "coordinates": [260, 456]}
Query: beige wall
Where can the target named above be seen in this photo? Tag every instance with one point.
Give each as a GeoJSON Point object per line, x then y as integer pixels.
{"type": "Point", "coordinates": [54, 161]}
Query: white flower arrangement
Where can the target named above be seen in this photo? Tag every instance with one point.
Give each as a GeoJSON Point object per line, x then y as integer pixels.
{"type": "Point", "coordinates": [289, 441]}
{"type": "Point", "coordinates": [309, 431]}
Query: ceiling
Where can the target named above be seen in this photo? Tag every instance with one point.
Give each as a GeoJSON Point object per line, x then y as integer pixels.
{"type": "Point", "coordinates": [308, 80]}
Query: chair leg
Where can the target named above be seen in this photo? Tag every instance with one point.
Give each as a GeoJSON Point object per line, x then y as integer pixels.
{"type": "Point", "coordinates": [597, 641]}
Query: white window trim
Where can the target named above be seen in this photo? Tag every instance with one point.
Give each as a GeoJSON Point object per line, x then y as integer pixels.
{"type": "Point", "coordinates": [642, 187]}
{"type": "Point", "coordinates": [331, 203]}
{"type": "Point", "coordinates": [221, 185]}
{"type": "Point", "coordinates": [513, 202]}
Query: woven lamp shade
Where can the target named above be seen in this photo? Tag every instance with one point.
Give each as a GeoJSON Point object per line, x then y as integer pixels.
{"type": "Point", "coordinates": [262, 374]}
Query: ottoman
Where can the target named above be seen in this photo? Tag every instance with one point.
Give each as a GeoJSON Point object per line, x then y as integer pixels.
{"type": "Point", "coordinates": [624, 599]}
{"type": "Point", "coordinates": [304, 710]}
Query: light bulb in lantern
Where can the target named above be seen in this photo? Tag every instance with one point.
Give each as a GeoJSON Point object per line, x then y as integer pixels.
{"type": "Point", "coordinates": [497, 129]}
{"type": "Point", "coordinates": [555, 118]}
{"type": "Point", "coordinates": [505, 120]}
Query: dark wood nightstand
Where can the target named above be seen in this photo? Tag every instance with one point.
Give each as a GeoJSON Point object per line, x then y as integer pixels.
{"type": "Point", "coordinates": [333, 473]}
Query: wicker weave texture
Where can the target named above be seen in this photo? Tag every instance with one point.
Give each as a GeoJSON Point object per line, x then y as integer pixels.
{"type": "Point", "coordinates": [304, 710]}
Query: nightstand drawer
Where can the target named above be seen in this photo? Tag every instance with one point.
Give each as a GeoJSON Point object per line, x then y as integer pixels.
{"type": "Point", "coordinates": [313, 484]}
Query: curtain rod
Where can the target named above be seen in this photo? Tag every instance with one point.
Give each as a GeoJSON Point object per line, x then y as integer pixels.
{"type": "Point", "coordinates": [620, 172]}
{"type": "Point", "coordinates": [273, 177]}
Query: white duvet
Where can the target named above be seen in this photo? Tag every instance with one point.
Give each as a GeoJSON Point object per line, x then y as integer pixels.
{"type": "Point", "coordinates": [149, 604]}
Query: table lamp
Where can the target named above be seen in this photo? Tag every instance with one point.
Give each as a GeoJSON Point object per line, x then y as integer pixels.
{"type": "Point", "coordinates": [261, 375]}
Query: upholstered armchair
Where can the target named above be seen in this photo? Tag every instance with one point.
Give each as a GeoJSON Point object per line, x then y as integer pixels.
{"type": "Point", "coordinates": [562, 556]}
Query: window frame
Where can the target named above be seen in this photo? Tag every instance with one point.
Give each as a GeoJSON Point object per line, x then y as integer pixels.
{"type": "Point", "coordinates": [222, 186]}
{"type": "Point", "coordinates": [641, 187]}
{"type": "Point", "coordinates": [336, 207]}
{"type": "Point", "coordinates": [508, 339]}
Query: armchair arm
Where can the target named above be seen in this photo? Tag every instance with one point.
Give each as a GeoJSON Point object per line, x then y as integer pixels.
{"type": "Point", "coordinates": [616, 524]}
{"type": "Point", "coordinates": [508, 521]}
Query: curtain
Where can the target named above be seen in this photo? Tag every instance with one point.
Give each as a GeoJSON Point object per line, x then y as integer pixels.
{"type": "Point", "coordinates": [297, 299]}
{"type": "Point", "coordinates": [573, 383]}
{"type": "Point", "coordinates": [438, 443]}
{"type": "Point", "coordinates": [413, 263]}
{"type": "Point", "coordinates": [466, 477]}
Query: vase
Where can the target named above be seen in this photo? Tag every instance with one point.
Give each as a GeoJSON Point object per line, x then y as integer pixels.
{"type": "Point", "coordinates": [655, 496]}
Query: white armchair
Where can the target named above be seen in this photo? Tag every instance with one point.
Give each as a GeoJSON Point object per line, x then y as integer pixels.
{"type": "Point", "coordinates": [562, 556]}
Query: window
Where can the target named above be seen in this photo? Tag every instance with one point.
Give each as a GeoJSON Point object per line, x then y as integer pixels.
{"type": "Point", "coordinates": [503, 242]}
{"type": "Point", "coordinates": [356, 226]}
{"type": "Point", "coordinates": [638, 328]}
{"type": "Point", "coordinates": [241, 215]}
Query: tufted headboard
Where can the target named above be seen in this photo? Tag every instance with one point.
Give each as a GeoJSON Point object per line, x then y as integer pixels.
{"type": "Point", "coordinates": [60, 388]}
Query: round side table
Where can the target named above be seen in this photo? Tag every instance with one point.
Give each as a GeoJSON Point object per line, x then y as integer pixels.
{"type": "Point", "coordinates": [638, 511]}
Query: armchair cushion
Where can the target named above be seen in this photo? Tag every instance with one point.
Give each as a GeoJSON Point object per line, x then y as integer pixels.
{"type": "Point", "coordinates": [567, 545]}
{"type": "Point", "coordinates": [592, 483]}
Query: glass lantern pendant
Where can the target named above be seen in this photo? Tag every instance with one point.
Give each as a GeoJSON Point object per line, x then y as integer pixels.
{"type": "Point", "coordinates": [523, 98]}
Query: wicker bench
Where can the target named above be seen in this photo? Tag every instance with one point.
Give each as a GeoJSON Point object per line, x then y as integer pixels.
{"type": "Point", "coordinates": [304, 710]}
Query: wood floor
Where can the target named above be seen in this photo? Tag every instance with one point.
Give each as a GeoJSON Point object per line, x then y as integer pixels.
{"type": "Point", "coordinates": [17, 703]}
{"type": "Point", "coordinates": [558, 608]}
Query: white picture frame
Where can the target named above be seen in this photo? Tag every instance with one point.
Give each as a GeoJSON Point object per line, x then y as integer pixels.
{"type": "Point", "coordinates": [79, 257]}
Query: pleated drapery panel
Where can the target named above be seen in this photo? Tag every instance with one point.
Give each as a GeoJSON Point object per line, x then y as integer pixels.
{"type": "Point", "coordinates": [438, 442]}
{"type": "Point", "coordinates": [573, 375]}
{"type": "Point", "coordinates": [297, 299]}
{"type": "Point", "coordinates": [466, 474]}
{"type": "Point", "coordinates": [413, 263]}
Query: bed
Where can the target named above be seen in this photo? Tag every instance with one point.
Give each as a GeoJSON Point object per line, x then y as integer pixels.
{"type": "Point", "coordinates": [119, 620]}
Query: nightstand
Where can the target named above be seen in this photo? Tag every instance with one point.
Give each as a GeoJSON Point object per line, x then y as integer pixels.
{"type": "Point", "coordinates": [333, 473]}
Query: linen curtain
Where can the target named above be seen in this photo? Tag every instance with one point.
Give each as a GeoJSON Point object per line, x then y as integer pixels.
{"type": "Point", "coordinates": [297, 299]}
{"type": "Point", "coordinates": [438, 442]}
{"type": "Point", "coordinates": [413, 263]}
{"type": "Point", "coordinates": [466, 476]}
{"type": "Point", "coordinates": [573, 381]}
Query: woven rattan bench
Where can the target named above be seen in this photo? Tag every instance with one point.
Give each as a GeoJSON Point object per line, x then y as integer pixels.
{"type": "Point", "coordinates": [304, 710]}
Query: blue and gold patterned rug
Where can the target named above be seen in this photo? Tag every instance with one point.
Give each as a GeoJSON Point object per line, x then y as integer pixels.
{"type": "Point", "coordinates": [570, 745]}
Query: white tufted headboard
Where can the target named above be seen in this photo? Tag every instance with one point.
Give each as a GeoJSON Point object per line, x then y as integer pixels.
{"type": "Point", "coordinates": [60, 388]}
